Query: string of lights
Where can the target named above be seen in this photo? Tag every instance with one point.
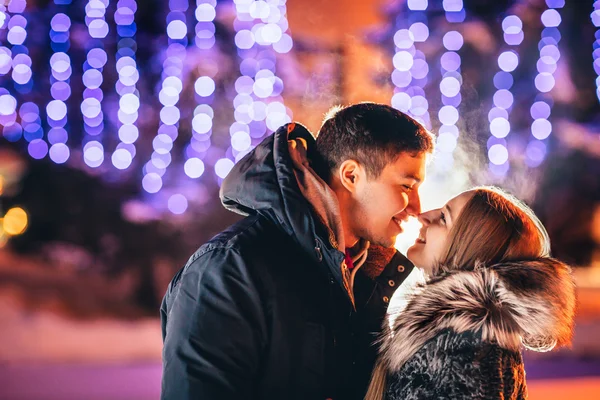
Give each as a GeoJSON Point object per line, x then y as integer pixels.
{"type": "Point", "coordinates": [16, 58]}
{"type": "Point", "coordinates": [204, 89]}
{"type": "Point", "coordinates": [168, 95]}
{"type": "Point", "coordinates": [129, 99]}
{"type": "Point", "coordinates": [541, 127]}
{"type": "Point", "coordinates": [503, 99]}
{"type": "Point", "coordinates": [60, 89]}
{"type": "Point", "coordinates": [261, 32]}
{"type": "Point", "coordinates": [450, 86]}
{"type": "Point", "coordinates": [91, 106]}
{"type": "Point", "coordinates": [410, 75]}
{"type": "Point", "coordinates": [595, 16]}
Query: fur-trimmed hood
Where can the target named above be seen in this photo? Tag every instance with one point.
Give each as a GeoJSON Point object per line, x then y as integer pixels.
{"type": "Point", "coordinates": [528, 303]}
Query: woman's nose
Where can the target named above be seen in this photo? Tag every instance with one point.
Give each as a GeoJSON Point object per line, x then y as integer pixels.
{"type": "Point", "coordinates": [425, 218]}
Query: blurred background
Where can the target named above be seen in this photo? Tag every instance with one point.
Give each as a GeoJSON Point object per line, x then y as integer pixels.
{"type": "Point", "coordinates": [119, 119]}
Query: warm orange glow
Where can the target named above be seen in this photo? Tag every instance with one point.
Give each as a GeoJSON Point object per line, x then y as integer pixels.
{"type": "Point", "coordinates": [1, 185]}
{"type": "Point", "coordinates": [15, 221]}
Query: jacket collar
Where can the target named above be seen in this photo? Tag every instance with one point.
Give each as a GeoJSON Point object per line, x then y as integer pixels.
{"type": "Point", "coordinates": [529, 303]}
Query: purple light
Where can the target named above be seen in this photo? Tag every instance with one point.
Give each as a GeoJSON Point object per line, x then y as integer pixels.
{"type": "Point", "coordinates": [512, 24]}
{"type": "Point", "coordinates": [541, 128]}
{"type": "Point", "coordinates": [508, 61]}
{"type": "Point", "coordinates": [121, 159]}
{"type": "Point", "coordinates": [204, 86]}
{"type": "Point", "coordinates": [401, 78]}
{"type": "Point", "coordinates": [59, 153]}
{"type": "Point", "coordinates": [170, 115]}
{"type": "Point", "coordinates": [498, 154]}
{"type": "Point", "coordinates": [244, 39]}
{"type": "Point", "coordinates": [550, 51]}
{"type": "Point", "coordinates": [284, 45]}
{"type": "Point", "coordinates": [16, 35]}
{"type": "Point", "coordinates": [450, 61]}
{"type": "Point", "coordinates": [161, 161]}
{"type": "Point", "coordinates": [90, 107]}
{"type": "Point", "coordinates": [97, 58]}
{"type": "Point", "coordinates": [162, 144]}
{"type": "Point", "coordinates": [12, 132]}
{"type": "Point", "coordinates": [555, 3]}
{"type": "Point", "coordinates": [503, 80]}
{"type": "Point", "coordinates": [98, 29]}
{"type": "Point", "coordinates": [447, 142]}
{"type": "Point", "coordinates": [56, 110]}
{"type": "Point", "coordinates": [176, 29]}
{"type": "Point", "coordinates": [420, 31]}
{"type": "Point", "coordinates": [514, 39]}
{"type": "Point", "coordinates": [57, 135]}
{"type": "Point", "coordinates": [128, 134]}
{"type": "Point", "coordinates": [8, 104]}
{"type": "Point", "coordinates": [202, 123]}
{"type": "Point", "coordinates": [540, 110]}
{"type": "Point", "coordinates": [177, 204]}
{"type": "Point", "coordinates": [37, 149]}
{"type": "Point", "coordinates": [503, 99]}
{"type": "Point", "coordinates": [417, 5]}
{"type": "Point", "coordinates": [21, 74]}
{"type": "Point", "coordinates": [496, 112]}
{"type": "Point", "coordinates": [92, 78]}
{"type": "Point", "coordinates": [452, 5]}
{"type": "Point", "coordinates": [536, 152]}
{"type": "Point", "coordinates": [60, 90]}
{"type": "Point", "coordinates": [174, 82]}
{"type": "Point", "coordinates": [544, 82]}
{"type": "Point", "coordinates": [453, 41]}
{"type": "Point", "coordinates": [152, 182]}
{"type": "Point", "coordinates": [546, 64]}
{"type": "Point", "coordinates": [194, 168]}
{"type": "Point", "coordinates": [60, 23]}
{"type": "Point", "coordinates": [130, 103]}
{"type": "Point", "coordinates": [551, 18]}
{"type": "Point", "coordinates": [263, 87]}
{"type": "Point", "coordinates": [450, 86]}
{"type": "Point", "coordinates": [241, 141]}
{"type": "Point", "coordinates": [223, 167]}
{"type": "Point", "coordinates": [448, 115]}
{"type": "Point", "coordinates": [404, 39]}
{"type": "Point", "coordinates": [403, 61]}
{"type": "Point", "coordinates": [500, 127]}
{"type": "Point", "coordinates": [420, 69]}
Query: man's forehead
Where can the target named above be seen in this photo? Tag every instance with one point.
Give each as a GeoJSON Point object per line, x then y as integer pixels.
{"type": "Point", "coordinates": [409, 166]}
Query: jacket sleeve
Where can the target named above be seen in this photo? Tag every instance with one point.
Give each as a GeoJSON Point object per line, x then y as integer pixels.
{"type": "Point", "coordinates": [214, 330]}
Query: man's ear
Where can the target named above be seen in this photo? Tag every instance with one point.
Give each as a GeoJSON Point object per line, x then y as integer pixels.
{"type": "Point", "coordinates": [350, 173]}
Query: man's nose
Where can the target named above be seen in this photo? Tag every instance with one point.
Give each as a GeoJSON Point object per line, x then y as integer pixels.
{"type": "Point", "coordinates": [414, 204]}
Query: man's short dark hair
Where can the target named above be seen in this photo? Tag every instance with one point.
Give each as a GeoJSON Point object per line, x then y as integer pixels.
{"type": "Point", "coordinates": [370, 133]}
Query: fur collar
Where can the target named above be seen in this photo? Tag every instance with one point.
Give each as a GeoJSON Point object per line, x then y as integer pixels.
{"type": "Point", "coordinates": [529, 303]}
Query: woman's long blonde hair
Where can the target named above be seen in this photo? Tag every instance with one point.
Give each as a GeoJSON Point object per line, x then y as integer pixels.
{"type": "Point", "coordinates": [493, 227]}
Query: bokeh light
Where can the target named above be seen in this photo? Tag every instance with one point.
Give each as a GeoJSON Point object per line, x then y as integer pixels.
{"type": "Point", "coordinates": [15, 221]}
{"type": "Point", "coordinates": [541, 109]}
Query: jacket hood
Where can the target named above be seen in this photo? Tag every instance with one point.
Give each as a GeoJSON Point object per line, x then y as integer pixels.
{"type": "Point", "coordinates": [268, 181]}
{"type": "Point", "coordinates": [513, 304]}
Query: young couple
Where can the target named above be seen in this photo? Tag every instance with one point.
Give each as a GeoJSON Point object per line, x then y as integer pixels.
{"type": "Point", "coordinates": [290, 302]}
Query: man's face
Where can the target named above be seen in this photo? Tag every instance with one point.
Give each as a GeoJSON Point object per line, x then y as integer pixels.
{"type": "Point", "coordinates": [381, 205]}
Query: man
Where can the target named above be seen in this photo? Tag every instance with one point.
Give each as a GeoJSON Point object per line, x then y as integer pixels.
{"type": "Point", "coordinates": [286, 304]}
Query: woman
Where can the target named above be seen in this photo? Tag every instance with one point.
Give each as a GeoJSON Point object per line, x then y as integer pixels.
{"type": "Point", "coordinates": [492, 288]}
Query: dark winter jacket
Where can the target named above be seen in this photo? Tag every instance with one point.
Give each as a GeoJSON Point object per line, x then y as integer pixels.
{"type": "Point", "coordinates": [263, 310]}
{"type": "Point", "coordinates": [460, 335]}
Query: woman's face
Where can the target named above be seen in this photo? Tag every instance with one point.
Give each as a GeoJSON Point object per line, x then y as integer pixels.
{"type": "Point", "coordinates": [431, 244]}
